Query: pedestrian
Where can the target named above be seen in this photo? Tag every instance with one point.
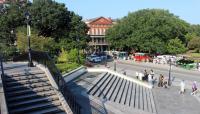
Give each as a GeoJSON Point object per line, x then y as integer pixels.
{"type": "Point", "coordinates": [145, 75]}
{"type": "Point", "coordinates": [152, 73]}
{"type": "Point", "coordinates": [160, 81]}
{"type": "Point", "coordinates": [182, 87]}
{"type": "Point", "coordinates": [194, 88]}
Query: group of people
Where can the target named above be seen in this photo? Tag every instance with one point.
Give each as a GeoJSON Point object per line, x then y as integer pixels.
{"type": "Point", "coordinates": [149, 76]}
{"type": "Point", "coordinates": [163, 82]}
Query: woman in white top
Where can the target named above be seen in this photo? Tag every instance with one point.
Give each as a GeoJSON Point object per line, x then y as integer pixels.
{"type": "Point", "coordinates": [182, 87]}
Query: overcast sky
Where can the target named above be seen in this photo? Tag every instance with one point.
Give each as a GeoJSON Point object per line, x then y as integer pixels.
{"type": "Point", "coordinates": [188, 10]}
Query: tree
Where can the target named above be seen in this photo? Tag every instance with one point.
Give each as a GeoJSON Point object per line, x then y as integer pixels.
{"type": "Point", "coordinates": [52, 21]}
{"type": "Point", "coordinates": [38, 43]}
{"type": "Point", "coordinates": [195, 29]}
{"type": "Point", "coordinates": [194, 44]}
{"type": "Point", "coordinates": [175, 46]}
{"type": "Point", "coordinates": [147, 30]}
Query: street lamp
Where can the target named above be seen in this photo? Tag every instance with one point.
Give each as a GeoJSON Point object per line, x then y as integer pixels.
{"type": "Point", "coordinates": [28, 21]}
{"type": "Point", "coordinates": [77, 39]}
{"type": "Point", "coordinates": [170, 67]}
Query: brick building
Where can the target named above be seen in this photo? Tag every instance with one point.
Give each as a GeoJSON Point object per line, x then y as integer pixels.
{"type": "Point", "coordinates": [2, 1]}
{"type": "Point", "coordinates": [97, 31]}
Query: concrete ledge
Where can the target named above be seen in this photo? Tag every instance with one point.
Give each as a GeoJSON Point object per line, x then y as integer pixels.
{"type": "Point", "coordinates": [74, 74]}
{"type": "Point", "coordinates": [4, 108]}
{"type": "Point", "coordinates": [121, 76]}
{"type": "Point", "coordinates": [48, 74]}
{"type": "Point", "coordinates": [55, 86]}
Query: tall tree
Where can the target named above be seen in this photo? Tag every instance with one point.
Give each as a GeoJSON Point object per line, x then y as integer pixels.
{"type": "Point", "coordinates": [49, 18]}
{"type": "Point", "coordinates": [175, 46]}
{"type": "Point", "coordinates": [147, 30]}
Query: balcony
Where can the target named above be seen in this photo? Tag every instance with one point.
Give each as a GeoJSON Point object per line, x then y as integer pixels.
{"type": "Point", "coordinates": [98, 43]}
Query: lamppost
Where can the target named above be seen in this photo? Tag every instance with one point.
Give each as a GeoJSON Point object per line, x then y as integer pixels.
{"type": "Point", "coordinates": [114, 65]}
{"type": "Point", "coordinates": [28, 21]}
{"type": "Point", "coordinates": [77, 39]}
{"type": "Point", "coordinates": [170, 67]}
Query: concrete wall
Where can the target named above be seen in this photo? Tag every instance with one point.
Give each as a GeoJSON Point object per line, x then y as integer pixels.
{"type": "Point", "coordinates": [3, 109]}
{"type": "Point", "coordinates": [74, 74]}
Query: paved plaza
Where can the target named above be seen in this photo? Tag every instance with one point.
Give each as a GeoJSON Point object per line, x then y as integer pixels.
{"type": "Point", "coordinates": [167, 100]}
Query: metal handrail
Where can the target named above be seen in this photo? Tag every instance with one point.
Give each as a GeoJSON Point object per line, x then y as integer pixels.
{"type": "Point", "coordinates": [2, 69]}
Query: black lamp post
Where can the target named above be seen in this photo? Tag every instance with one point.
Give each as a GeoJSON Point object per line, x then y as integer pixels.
{"type": "Point", "coordinates": [77, 39]}
{"type": "Point", "coordinates": [28, 21]}
{"type": "Point", "coordinates": [170, 67]}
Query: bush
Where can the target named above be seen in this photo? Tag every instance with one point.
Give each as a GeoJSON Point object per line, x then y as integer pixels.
{"type": "Point", "coordinates": [67, 67]}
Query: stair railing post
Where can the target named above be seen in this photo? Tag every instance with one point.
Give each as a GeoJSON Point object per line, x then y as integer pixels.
{"type": "Point", "coordinates": [2, 69]}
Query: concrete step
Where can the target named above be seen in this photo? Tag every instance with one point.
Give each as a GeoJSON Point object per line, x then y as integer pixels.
{"type": "Point", "coordinates": [22, 70]}
{"type": "Point", "coordinates": [27, 86]}
{"type": "Point", "coordinates": [25, 77]}
{"type": "Point", "coordinates": [116, 90]}
{"type": "Point", "coordinates": [129, 94]}
{"type": "Point", "coordinates": [53, 110]}
{"type": "Point", "coordinates": [25, 73]}
{"type": "Point", "coordinates": [120, 92]}
{"type": "Point", "coordinates": [94, 83]}
{"type": "Point", "coordinates": [145, 99]}
{"type": "Point", "coordinates": [32, 101]}
{"type": "Point", "coordinates": [152, 101]}
{"type": "Point", "coordinates": [28, 91]}
{"type": "Point", "coordinates": [32, 96]}
{"type": "Point", "coordinates": [137, 96]}
{"type": "Point", "coordinates": [99, 85]}
{"type": "Point", "coordinates": [125, 93]}
{"type": "Point", "coordinates": [111, 88]}
{"type": "Point", "coordinates": [108, 87]}
{"type": "Point", "coordinates": [21, 82]}
{"type": "Point", "coordinates": [35, 107]}
{"type": "Point", "coordinates": [102, 88]}
{"type": "Point", "coordinates": [141, 101]}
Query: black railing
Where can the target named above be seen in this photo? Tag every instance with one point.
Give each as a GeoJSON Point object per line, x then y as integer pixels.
{"type": "Point", "coordinates": [1, 63]}
{"type": "Point", "coordinates": [45, 59]}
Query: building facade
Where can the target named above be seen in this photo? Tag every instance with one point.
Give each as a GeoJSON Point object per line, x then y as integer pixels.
{"type": "Point", "coordinates": [97, 31]}
{"type": "Point", "coordinates": [2, 1]}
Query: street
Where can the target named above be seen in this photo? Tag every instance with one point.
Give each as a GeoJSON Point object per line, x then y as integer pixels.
{"type": "Point", "coordinates": [131, 68]}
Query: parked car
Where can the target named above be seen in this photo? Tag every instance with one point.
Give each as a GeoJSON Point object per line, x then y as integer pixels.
{"type": "Point", "coordinates": [103, 56]}
{"type": "Point", "coordinates": [94, 58]}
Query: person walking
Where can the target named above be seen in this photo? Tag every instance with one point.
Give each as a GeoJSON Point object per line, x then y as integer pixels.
{"type": "Point", "coordinates": [182, 87]}
{"type": "Point", "coordinates": [160, 82]}
{"type": "Point", "coordinates": [145, 75]}
{"type": "Point", "coordinates": [194, 88]}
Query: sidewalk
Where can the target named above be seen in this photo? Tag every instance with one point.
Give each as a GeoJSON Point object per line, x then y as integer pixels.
{"type": "Point", "coordinates": [169, 101]}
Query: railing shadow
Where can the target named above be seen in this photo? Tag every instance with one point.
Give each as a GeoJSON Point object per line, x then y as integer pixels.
{"type": "Point", "coordinates": [89, 106]}
{"type": "Point", "coordinates": [13, 94]}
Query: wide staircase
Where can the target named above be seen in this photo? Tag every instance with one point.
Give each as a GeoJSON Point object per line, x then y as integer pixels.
{"type": "Point", "coordinates": [124, 92]}
{"type": "Point", "coordinates": [28, 91]}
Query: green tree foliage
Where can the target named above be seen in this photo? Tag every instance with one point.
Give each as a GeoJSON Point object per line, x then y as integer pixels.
{"type": "Point", "coordinates": [175, 46]}
{"type": "Point", "coordinates": [147, 30]}
{"type": "Point", "coordinates": [38, 43]}
{"type": "Point", "coordinates": [49, 19]}
{"type": "Point", "coordinates": [68, 60]}
{"type": "Point", "coordinates": [195, 29]}
{"type": "Point", "coordinates": [194, 43]}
